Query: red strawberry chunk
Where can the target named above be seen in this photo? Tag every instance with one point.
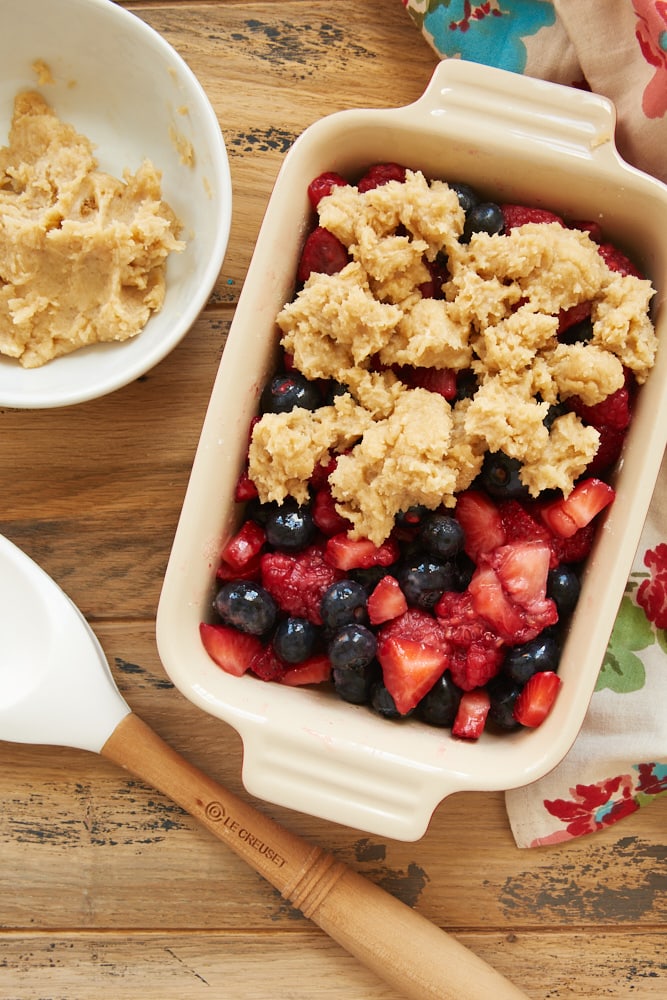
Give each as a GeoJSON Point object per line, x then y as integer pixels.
{"type": "Point", "coordinates": [570, 317]}
{"type": "Point", "coordinates": [323, 185]}
{"type": "Point", "coordinates": [409, 669]}
{"type": "Point", "coordinates": [245, 545]}
{"type": "Point", "coordinates": [325, 515]}
{"type": "Point", "coordinates": [267, 666]}
{"type": "Point", "coordinates": [297, 581]}
{"type": "Point", "coordinates": [480, 519]}
{"type": "Point", "coordinates": [232, 650]}
{"type": "Point", "coordinates": [315, 670]}
{"type": "Point", "coordinates": [537, 698]}
{"type": "Point", "coordinates": [387, 601]}
{"type": "Point", "coordinates": [519, 215]}
{"type": "Point", "coordinates": [609, 450]}
{"type": "Point", "coordinates": [471, 714]}
{"type": "Point", "coordinates": [380, 174]}
{"type": "Point", "coordinates": [508, 590]}
{"type": "Point", "coordinates": [322, 253]}
{"type": "Point", "coordinates": [567, 515]}
{"type": "Point", "coordinates": [476, 651]}
{"type": "Point", "coordinates": [346, 553]}
{"type": "Point", "coordinates": [251, 570]}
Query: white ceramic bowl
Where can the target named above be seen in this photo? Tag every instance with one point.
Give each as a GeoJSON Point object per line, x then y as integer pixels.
{"type": "Point", "coordinates": [519, 140]}
{"type": "Point", "coordinates": [124, 87]}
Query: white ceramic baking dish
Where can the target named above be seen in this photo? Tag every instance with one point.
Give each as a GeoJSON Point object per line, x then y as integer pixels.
{"type": "Point", "coordinates": [517, 140]}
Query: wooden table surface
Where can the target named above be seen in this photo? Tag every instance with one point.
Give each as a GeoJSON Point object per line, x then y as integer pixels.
{"type": "Point", "coordinates": [106, 887]}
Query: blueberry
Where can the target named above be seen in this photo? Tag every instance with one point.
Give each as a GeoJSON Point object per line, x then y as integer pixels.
{"type": "Point", "coordinates": [353, 683]}
{"type": "Point", "coordinates": [442, 535]}
{"type": "Point", "coordinates": [289, 525]}
{"type": "Point", "coordinates": [352, 646]}
{"type": "Point", "coordinates": [246, 606]}
{"type": "Point", "coordinates": [289, 389]}
{"type": "Point", "coordinates": [424, 579]}
{"type": "Point", "coordinates": [485, 217]}
{"type": "Point", "coordinates": [439, 706]}
{"type": "Point", "coordinates": [553, 413]}
{"type": "Point", "coordinates": [295, 639]}
{"type": "Point", "coordinates": [467, 384]}
{"type": "Point", "coordinates": [467, 196]}
{"type": "Point", "coordinates": [343, 603]}
{"type": "Point", "coordinates": [382, 702]}
{"type": "Point", "coordinates": [412, 516]}
{"type": "Point", "coordinates": [578, 333]}
{"type": "Point", "coordinates": [500, 476]}
{"type": "Point", "coordinates": [564, 587]}
{"type": "Point", "coordinates": [541, 653]}
{"type": "Point", "coordinates": [503, 693]}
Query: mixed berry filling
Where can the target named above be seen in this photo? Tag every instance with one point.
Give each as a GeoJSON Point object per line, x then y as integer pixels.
{"type": "Point", "coordinates": [458, 617]}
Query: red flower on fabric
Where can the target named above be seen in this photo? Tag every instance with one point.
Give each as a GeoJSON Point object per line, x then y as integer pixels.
{"type": "Point", "coordinates": [652, 593]}
{"type": "Point", "coordinates": [651, 32]}
{"type": "Point", "coordinates": [652, 779]}
{"type": "Point", "coordinates": [593, 807]}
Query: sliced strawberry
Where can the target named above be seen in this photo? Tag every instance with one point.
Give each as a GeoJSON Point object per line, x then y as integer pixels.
{"type": "Point", "coordinates": [314, 670]}
{"type": "Point", "coordinates": [387, 601]}
{"type": "Point", "coordinates": [567, 515]}
{"type": "Point", "coordinates": [537, 698]}
{"type": "Point", "coordinates": [410, 669]}
{"type": "Point", "coordinates": [508, 590]}
{"type": "Point", "coordinates": [325, 515]}
{"type": "Point", "coordinates": [245, 545]}
{"type": "Point", "coordinates": [267, 666]}
{"type": "Point", "coordinates": [476, 651]}
{"type": "Point", "coordinates": [379, 174]}
{"type": "Point", "coordinates": [232, 650]}
{"type": "Point", "coordinates": [346, 553]}
{"type": "Point", "coordinates": [322, 253]}
{"type": "Point", "coordinates": [471, 714]}
{"type": "Point", "coordinates": [323, 185]}
{"type": "Point", "coordinates": [519, 215]}
{"type": "Point", "coordinates": [481, 522]}
{"type": "Point", "coordinates": [321, 473]}
{"type": "Point", "coordinates": [251, 570]}
{"type": "Point", "coordinates": [297, 582]}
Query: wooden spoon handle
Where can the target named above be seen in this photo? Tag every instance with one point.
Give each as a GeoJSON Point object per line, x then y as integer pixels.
{"type": "Point", "coordinates": [417, 958]}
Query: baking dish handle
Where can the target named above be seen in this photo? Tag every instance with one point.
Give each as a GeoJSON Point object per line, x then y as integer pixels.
{"type": "Point", "coordinates": [499, 103]}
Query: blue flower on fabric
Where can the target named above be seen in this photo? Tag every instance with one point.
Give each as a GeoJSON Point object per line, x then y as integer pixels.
{"type": "Point", "coordinates": [491, 33]}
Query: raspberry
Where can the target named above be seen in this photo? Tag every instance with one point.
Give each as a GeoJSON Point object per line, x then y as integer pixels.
{"type": "Point", "coordinates": [521, 523]}
{"type": "Point", "coordinates": [297, 582]}
{"type": "Point", "coordinates": [617, 261]}
{"type": "Point", "coordinates": [476, 652]}
{"type": "Point", "coordinates": [415, 625]}
{"type": "Point", "coordinates": [381, 174]}
{"type": "Point", "coordinates": [323, 185]}
{"type": "Point", "coordinates": [613, 412]}
{"type": "Point", "coordinates": [519, 215]}
{"type": "Point", "coordinates": [321, 253]}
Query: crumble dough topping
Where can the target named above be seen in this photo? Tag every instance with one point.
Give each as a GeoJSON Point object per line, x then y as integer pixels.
{"type": "Point", "coordinates": [399, 446]}
{"type": "Point", "coordinates": [82, 254]}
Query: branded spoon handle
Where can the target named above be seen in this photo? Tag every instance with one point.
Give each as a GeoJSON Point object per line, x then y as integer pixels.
{"type": "Point", "coordinates": [402, 947]}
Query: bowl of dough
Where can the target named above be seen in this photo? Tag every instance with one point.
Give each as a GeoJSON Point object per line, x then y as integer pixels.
{"type": "Point", "coordinates": [429, 452]}
{"type": "Point", "coordinates": [115, 200]}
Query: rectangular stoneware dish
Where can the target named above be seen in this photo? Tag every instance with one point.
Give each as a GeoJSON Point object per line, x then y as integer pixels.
{"type": "Point", "coordinates": [515, 140]}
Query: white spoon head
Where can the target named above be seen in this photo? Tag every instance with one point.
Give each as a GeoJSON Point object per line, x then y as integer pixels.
{"type": "Point", "coordinates": [55, 683]}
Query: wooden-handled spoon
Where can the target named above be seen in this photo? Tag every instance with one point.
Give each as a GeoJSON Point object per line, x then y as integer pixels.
{"type": "Point", "coordinates": [56, 688]}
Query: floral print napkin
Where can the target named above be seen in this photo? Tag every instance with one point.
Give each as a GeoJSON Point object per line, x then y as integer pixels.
{"type": "Point", "coordinates": [619, 760]}
{"type": "Point", "coordinates": [617, 48]}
